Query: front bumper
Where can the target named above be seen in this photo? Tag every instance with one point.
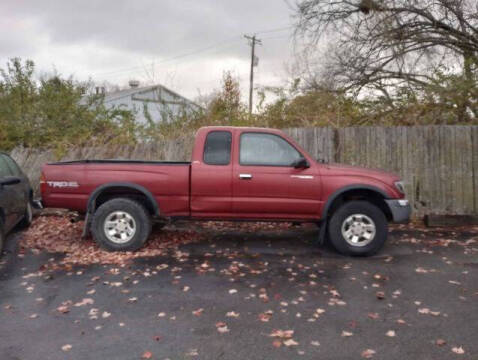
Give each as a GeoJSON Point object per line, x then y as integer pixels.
{"type": "Point", "coordinates": [400, 210]}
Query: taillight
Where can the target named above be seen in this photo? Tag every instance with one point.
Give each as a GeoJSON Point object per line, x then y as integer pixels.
{"type": "Point", "coordinates": [42, 178]}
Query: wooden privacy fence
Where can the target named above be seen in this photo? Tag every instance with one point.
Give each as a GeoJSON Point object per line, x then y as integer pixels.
{"type": "Point", "coordinates": [439, 164]}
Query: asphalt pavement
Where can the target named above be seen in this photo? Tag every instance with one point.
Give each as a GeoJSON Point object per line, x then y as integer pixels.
{"type": "Point", "coordinates": [265, 294]}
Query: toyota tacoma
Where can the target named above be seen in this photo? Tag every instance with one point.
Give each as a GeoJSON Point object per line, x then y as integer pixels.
{"type": "Point", "coordinates": [235, 173]}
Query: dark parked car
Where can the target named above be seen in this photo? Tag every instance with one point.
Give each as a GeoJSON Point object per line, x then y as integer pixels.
{"type": "Point", "coordinates": [16, 197]}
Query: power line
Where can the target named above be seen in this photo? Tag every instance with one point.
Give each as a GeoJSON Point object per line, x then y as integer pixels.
{"type": "Point", "coordinates": [216, 45]}
{"type": "Point", "coordinates": [222, 43]}
{"type": "Point", "coordinates": [274, 30]}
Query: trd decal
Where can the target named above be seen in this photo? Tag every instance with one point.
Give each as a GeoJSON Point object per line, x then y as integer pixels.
{"type": "Point", "coordinates": [63, 184]}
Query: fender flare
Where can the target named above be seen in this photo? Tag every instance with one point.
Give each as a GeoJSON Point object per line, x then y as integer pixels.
{"type": "Point", "coordinates": [97, 192]}
{"type": "Point", "coordinates": [335, 195]}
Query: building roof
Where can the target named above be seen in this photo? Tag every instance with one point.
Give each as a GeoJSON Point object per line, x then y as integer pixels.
{"type": "Point", "coordinates": [117, 95]}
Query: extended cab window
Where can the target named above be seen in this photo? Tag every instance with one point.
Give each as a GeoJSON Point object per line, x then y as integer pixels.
{"type": "Point", "coordinates": [217, 149]}
{"type": "Point", "coordinates": [4, 168]}
{"type": "Point", "coordinates": [266, 149]}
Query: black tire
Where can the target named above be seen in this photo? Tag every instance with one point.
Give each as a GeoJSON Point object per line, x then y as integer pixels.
{"type": "Point", "coordinates": [2, 237]}
{"type": "Point", "coordinates": [347, 211]}
{"type": "Point", "coordinates": [27, 217]}
{"type": "Point", "coordinates": [142, 224]}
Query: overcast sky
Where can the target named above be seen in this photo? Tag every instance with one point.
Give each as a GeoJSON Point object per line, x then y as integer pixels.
{"type": "Point", "coordinates": [183, 44]}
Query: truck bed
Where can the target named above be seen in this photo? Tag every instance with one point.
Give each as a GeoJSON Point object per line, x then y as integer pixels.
{"type": "Point", "coordinates": [69, 184]}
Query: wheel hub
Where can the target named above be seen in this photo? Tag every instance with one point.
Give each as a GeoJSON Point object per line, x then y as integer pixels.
{"type": "Point", "coordinates": [119, 227]}
{"type": "Point", "coordinates": [358, 230]}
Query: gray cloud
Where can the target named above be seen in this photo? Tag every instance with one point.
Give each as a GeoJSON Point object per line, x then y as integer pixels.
{"type": "Point", "coordinates": [142, 29]}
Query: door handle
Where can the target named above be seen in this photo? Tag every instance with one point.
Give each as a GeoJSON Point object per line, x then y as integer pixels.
{"type": "Point", "coordinates": [245, 176]}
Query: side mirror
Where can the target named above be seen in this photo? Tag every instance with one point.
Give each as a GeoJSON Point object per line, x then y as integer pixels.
{"type": "Point", "coordinates": [11, 180]}
{"type": "Point", "coordinates": [301, 163]}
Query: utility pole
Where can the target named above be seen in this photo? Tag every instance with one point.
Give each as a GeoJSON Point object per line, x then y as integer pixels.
{"type": "Point", "coordinates": [254, 62]}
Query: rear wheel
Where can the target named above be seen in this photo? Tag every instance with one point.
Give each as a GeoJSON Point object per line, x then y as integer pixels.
{"type": "Point", "coordinates": [358, 228]}
{"type": "Point", "coordinates": [121, 225]}
{"type": "Point", "coordinates": [27, 217]}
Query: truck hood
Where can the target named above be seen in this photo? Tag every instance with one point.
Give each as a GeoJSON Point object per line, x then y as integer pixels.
{"type": "Point", "coordinates": [350, 170]}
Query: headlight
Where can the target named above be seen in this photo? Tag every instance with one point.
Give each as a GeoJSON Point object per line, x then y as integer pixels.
{"type": "Point", "coordinates": [400, 187]}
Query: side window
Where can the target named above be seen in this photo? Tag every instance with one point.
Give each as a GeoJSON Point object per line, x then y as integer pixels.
{"type": "Point", "coordinates": [217, 149]}
{"type": "Point", "coordinates": [4, 168]}
{"type": "Point", "coordinates": [266, 149]}
{"type": "Point", "coordinates": [12, 165]}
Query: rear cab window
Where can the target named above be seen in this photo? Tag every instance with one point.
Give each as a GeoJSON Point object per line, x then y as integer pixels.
{"type": "Point", "coordinates": [217, 148]}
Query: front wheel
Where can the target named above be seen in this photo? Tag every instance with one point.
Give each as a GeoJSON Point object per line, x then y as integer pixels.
{"type": "Point", "coordinates": [358, 228]}
{"type": "Point", "coordinates": [121, 225]}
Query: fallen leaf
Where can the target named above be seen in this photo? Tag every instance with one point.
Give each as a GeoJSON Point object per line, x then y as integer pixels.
{"type": "Point", "coordinates": [63, 309]}
{"type": "Point", "coordinates": [369, 353]}
{"type": "Point", "coordinates": [440, 342]}
{"type": "Point", "coordinates": [390, 333]}
{"type": "Point", "coordinates": [346, 333]}
{"type": "Point", "coordinates": [66, 347]}
{"type": "Point", "coordinates": [290, 342]}
{"type": "Point", "coordinates": [198, 312]}
{"type": "Point", "coordinates": [380, 295]}
{"type": "Point", "coordinates": [232, 291]}
{"type": "Point", "coordinates": [85, 301]}
{"type": "Point", "coordinates": [192, 352]}
{"type": "Point", "coordinates": [373, 316]}
{"type": "Point", "coordinates": [105, 314]}
{"type": "Point", "coordinates": [232, 314]}
{"type": "Point", "coordinates": [222, 327]}
{"type": "Point", "coordinates": [458, 350]}
{"type": "Point", "coordinates": [283, 334]}
{"type": "Point", "coordinates": [147, 355]}
{"type": "Point", "coordinates": [315, 343]}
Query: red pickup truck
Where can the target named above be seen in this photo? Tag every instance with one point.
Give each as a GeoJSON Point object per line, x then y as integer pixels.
{"type": "Point", "coordinates": [235, 174]}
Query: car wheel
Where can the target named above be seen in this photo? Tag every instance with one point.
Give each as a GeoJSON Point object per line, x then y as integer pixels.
{"type": "Point", "coordinates": [2, 237]}
{"type": "Point", "coordinates": [27, 217]}
{"type": "Point", "coordinates": [121, 225]}
{"type": "Point", "coordinates": [358, 228]}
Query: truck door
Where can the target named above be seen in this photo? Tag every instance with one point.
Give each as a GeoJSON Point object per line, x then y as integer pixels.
{"type": "Point", "coordinates": [211, 177]}
{"type": "Point", "coordinates": [267, 185]}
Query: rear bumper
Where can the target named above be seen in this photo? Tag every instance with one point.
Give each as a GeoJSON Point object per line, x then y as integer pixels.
{"type": "Point", "coordinates": [400, 210]}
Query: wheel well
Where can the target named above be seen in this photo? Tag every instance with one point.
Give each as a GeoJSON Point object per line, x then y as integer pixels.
{"type": "Point", "coordinates": [124, 192]}
{"type": "Point", "coordinates": [360, 194]}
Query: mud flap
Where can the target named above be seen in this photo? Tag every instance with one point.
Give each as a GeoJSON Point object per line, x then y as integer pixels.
{"type": "Point", "coordinates": [86, 227]}
{"type": "Point", "coordinates": [322, 234]}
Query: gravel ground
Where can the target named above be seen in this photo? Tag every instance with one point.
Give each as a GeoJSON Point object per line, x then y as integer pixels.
{"type": "Point", "coordinates": [221, 291]}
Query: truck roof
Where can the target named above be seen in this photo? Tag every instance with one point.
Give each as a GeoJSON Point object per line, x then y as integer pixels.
{"type": "Point", "coordinates": [244, 128]}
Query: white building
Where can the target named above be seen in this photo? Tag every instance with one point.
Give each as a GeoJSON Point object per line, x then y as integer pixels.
{"type": "Point", "coordinates": [156, 100]}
